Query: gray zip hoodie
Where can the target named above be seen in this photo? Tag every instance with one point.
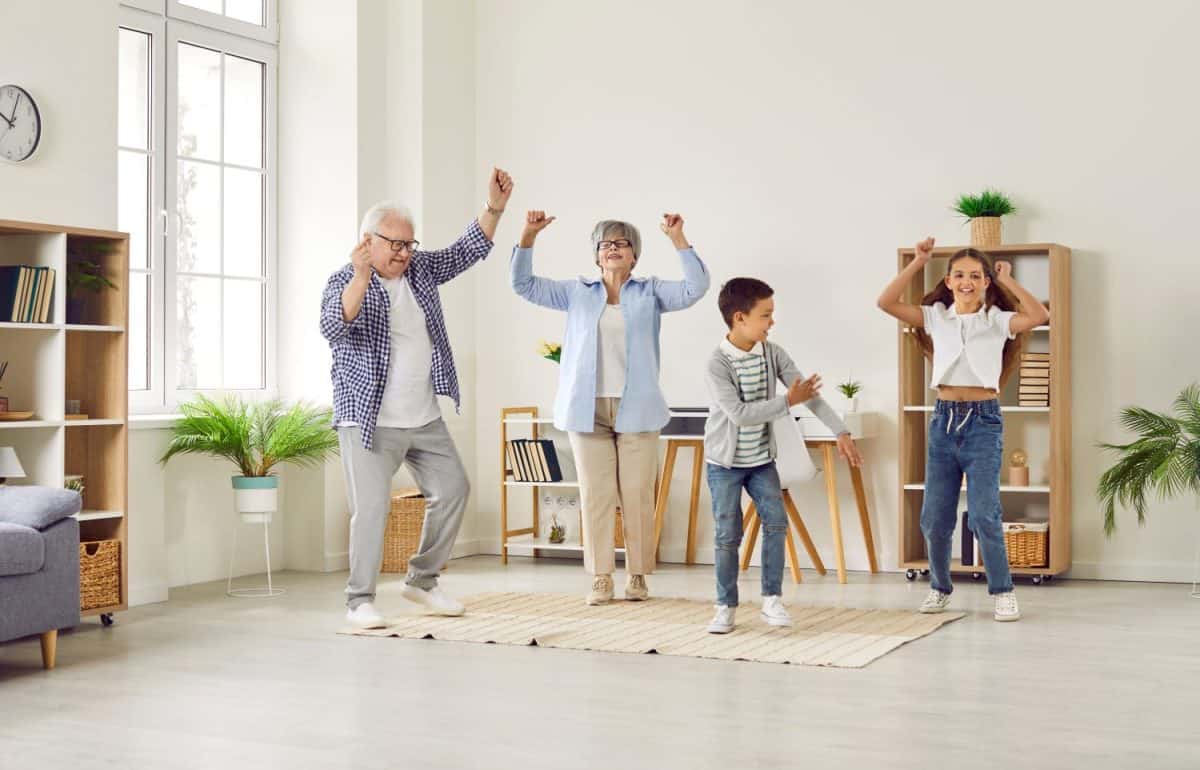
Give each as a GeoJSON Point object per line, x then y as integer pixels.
{"type": "Point", "coordinates": [728, 412]}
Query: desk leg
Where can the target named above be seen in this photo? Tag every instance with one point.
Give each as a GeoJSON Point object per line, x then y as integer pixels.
{"type": "Point", "coordinates": [697, 466]}
{"type": "Point", "coordinates": [864, 518]}
{"type": "Point", "coordinates": [789, 505]}
{"type": "Point", "coordinates": [664, 493]}
{"type": "Point", "coordinates": [750, 537]}
{"type": "Point", "coordinates": [835, 515]}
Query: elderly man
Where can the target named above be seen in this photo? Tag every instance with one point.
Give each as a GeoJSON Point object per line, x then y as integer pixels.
{"type": "Point", "coordinates": [383, 318]}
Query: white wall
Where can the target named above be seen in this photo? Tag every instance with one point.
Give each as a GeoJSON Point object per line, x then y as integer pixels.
{"type": "Point", "coordinates": [804, 143]}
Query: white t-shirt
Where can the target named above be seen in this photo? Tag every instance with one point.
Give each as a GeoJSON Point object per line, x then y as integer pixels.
{"type": "Point", "coordinates": [408, 397]}
{"type": "Point", "coordinates": [968, 349]}
{"type": "Point", "coordinates": [610, 346]}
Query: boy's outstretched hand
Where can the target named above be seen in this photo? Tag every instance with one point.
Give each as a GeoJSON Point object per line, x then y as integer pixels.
{"type": "Point", "coordinates": [804, 390]}
{"type": "Point", "coordinates": [848, 450]}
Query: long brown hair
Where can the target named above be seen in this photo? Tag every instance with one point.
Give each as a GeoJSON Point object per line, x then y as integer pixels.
{"type": "Point", "coordinates": [996, 295]}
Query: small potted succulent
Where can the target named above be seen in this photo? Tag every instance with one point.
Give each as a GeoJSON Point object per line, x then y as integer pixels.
{"type": "Point", "coordinates": [983, 211]}
{"type": "Point", "coordinates": [850, 390]}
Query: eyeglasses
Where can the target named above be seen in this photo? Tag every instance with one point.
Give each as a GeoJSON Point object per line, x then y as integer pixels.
{"type": "Point", "coordinates": [620, 244]}
{"type": "Point", "coordinates": [399, 245]}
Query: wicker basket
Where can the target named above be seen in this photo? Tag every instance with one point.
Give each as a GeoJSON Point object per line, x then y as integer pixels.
{"type": "Point", "coordinates": [985, 232]}
{"type": "Point", "coordinates": [403, 535]}
{"type": "Point", "coordinates": [99, 574]}
{"type": "Point", "coordinates": [619, 539]}
{"type": "Point", "coordinates": [1027, 543]}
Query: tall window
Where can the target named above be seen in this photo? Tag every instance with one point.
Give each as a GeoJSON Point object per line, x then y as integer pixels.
{"type": "Point", "coordinates": [197, 194]}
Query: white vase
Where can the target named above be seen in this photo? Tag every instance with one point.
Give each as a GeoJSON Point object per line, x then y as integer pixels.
{"type": "Point", "coordinates": [851, 404]}
{"type": "Point", "coordinates": [256, 498]}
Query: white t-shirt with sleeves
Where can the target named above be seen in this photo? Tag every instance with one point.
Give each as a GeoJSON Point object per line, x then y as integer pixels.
{"type": "Point", "coordinates": [968, 349]}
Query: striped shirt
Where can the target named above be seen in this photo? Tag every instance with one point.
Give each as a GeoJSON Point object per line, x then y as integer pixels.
{"type": "Point", "coordinates": [753, 441]}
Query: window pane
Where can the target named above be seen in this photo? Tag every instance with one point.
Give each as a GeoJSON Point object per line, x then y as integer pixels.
{"type": "Point", "coordinates": [133, 203]}
{"type": "Point", "coordinates": [212, 6]}
{"type": "Point", "coordinates": [243, 334]}
{"type": "Point", "coordinates": [243, 222]}
{"type": "Point", "coordinates": [139, 331]}
{"type": "Point", "coordinates": [198, 214]}
{"type": "Point", "coordinates": [198, 332]}
{"type": "Point", "coordinates": [133, 89]}
{"type": "Point", "coordinates": [243, 112]}
{"type": "Point", "coordinates": [245, 10]}
{"type": "Point", "coordinates": [199, 92]}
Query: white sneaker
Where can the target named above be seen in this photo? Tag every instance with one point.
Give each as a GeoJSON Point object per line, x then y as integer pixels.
{"type": "Point", "coordinates": [602, 590]}
{"type": "Point", "coordinates": [722, 622]}
{"type": "Point", "coordinates": [365, 616]}
{"type": "Point", "coordinates": [435, 600]}
{"type": "Point", "coordinates": [1006, 608]}
{"type": "Point", "coordinates": [775, 613]}
{"type": "Point", "coordinates": [636, 589]}
{"type": "Point", "coordinates": [935, 602]}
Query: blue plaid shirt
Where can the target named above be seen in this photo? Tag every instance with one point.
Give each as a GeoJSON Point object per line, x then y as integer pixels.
{"type": "Point", "coordinates": [362, 347]}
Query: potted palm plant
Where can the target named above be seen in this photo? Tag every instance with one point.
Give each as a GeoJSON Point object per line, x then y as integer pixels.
{"type": "Point", "coordinates": [255, 437]}
{"type": "Point", "coordinates": [984, 211]}
{"type": "Point", "coordinates": [1164, 458]}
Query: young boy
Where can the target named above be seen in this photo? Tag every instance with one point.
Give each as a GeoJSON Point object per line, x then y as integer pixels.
{"type": "Point", "coordinates": [739, 447]}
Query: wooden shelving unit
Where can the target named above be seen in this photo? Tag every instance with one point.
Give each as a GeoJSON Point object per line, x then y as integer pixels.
{"type": "Point", "coordinates": [1044, 432]}
{"type": "Point", "coordinates": [53, 362]}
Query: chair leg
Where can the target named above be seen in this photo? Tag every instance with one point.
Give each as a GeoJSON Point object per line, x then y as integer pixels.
{"type": "Point", "coordinates": [793, 559]}
{"type": "Point", "coordinates": [751, 537]}
{"type": "Point", "coordinates": [49, 648]}
{"type": "Point", "coordinates": [789, 505]}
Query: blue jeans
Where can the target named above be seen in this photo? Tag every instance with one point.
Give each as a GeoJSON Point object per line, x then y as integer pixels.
{"type": "Point", "coordinates": [965, 437]}
{"type": "Point", "coordinates": [726, 485]}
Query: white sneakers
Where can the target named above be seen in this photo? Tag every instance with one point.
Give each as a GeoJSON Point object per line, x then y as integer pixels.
{"type": "Point", "coordinates": [635, 589]}
{"type": "Point", "coordinates": [602, 590]}
{"type": "Point", "coordinates": [434, 600]}
{"type": "Point", "coordinates": [722, 622]}
{"type": "Point", "coordinates": [774, 612]}
{"type": "Point", "coordinates": [1006, 608]}
{"type": "Point", "coordinates": [935, 602]}
{"type": "Point", "coordinates": [365, 616]}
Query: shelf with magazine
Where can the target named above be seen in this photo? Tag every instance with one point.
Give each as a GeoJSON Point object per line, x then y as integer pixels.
{"type": "Point", "coordinates": [1035, 481]}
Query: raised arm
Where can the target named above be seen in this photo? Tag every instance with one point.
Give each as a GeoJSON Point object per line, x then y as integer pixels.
{"type": "Point", "coordinates": [538, 290]}
{"type": "Point", "coordinates": [1031, 313]}
{"type": "Point", "coordinates": [891, 300]}
{"type": "Point", "coordinates": [677, 295]}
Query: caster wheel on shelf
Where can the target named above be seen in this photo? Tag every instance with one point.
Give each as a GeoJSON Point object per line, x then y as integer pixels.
{"type": "Point", "coordinates": [976, 575]}
{"type": "Point", "coordinates": [1047, 578]}
{"type": "Point", "coordinates": [924, 573]}
{"type": "Point", "coordinates": [1037, 580]}
{"type": "Point", "coordinates": [910, 574]}
{"type": "Point", "coordinates": [106, 619]}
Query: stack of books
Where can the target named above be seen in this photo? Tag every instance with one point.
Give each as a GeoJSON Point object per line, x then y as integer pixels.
{"type": "Point", "coordinates": [26, 293]}
{"type": "Point", "coordinates": [1034, 381]}
{"type": "Point", "coordinates": [532, 460]}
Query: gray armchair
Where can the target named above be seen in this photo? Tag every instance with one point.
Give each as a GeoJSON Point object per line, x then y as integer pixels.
{"type": "Point", "coordinates": [39, 564]}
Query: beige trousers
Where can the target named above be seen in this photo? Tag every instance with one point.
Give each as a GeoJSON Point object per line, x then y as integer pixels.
{"type": "Point", "coordinates": [616, 469]}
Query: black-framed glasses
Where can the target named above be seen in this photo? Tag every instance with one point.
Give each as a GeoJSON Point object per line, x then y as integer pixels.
{"type": "Point", "coordinates": [399, 244]}
{"type": "Point", "coordinates": [618, 244]}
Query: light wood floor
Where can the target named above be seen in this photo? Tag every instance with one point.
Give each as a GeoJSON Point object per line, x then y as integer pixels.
{"type": "Point", "coordinates": [1096, 675]}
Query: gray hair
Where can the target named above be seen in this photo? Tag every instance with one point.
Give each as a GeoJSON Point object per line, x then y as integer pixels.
{"type": "Point", "coordinates": [381, 211]}
{"type": "Point", "coordinates": [610, 229]}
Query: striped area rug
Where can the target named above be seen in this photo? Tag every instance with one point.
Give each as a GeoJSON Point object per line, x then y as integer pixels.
{"type": "Point", "coordinates": [821, 636]}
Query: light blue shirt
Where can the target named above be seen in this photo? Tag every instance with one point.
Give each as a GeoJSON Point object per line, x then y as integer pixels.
{"type": "Point", "coordinates": [643, 301]}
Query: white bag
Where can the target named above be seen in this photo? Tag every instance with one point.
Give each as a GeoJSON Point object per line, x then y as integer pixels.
{"type": "Point", "coordinates": [791, 455]}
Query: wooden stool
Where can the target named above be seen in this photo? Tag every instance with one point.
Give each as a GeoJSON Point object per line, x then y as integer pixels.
{"type": "Point", "coordinates": [751, 522]}
{"type": "Point", "coordinates": [664, 491]}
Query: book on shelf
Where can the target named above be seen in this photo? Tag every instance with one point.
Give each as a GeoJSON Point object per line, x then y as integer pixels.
{"type": "Point", "coordinates": [1034, 390]}
{"type": "Point", "coordinates": [1033, 402]}
{"type": "Point", "coordinates": [1034, 381]}
{"type": "Point", "coordinates": [533, 460]}
{"type": "Point", "coordinates": [549, 460]}
{"type": "Point", "coordinates": [511, 454]}
{"type": "Point", "coordinates": [968, 543]}
{"type": "Point", "coordinates": [26, 293]}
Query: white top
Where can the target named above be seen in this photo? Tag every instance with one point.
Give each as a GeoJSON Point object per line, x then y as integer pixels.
{"type": "Point", "coordinates": [610, 346]}
{"type": "Point", "coordinates": [408, 398]}
{"type": "Point", "coordinates": [968, 350]}
{"type": "Point", "coordinates": [753, 441]}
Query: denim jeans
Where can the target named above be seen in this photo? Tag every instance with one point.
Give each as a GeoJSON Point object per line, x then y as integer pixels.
{"type": "Point", "coordinates": [726, 485]}
{"type": "Point", "coordinates": [965, 437]}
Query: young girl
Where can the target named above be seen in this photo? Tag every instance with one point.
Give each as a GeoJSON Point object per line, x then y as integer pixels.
{"type": "Point", "coordinates": [969, 326]}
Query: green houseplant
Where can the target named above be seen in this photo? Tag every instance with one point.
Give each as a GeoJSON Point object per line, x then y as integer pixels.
{"type": "Point", "coordinates": [1163, 459]}
{"type": "Point", "coordinates": [85, 276]}
{"type": "Point", "coordinates": [850, 390]}
{"type": "Point", "coordinates": [984, 211]}
{"type": "Point", "coordinates": [255, 437]}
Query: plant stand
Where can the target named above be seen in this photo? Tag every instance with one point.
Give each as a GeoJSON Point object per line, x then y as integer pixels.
{"type": "Point", "coordinates": [269, 591]}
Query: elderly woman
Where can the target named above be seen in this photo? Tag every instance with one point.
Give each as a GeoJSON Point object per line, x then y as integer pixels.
{"type": "Point", "coordinates": [609, 401]}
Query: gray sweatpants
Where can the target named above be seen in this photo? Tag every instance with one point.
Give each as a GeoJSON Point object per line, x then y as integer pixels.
{"type": "Point", "coordinates": [435, 465]}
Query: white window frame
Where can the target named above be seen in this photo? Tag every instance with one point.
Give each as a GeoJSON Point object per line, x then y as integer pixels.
{"type": "Point", "coordinates": [153, 398]}
{"type": "Point", "coordinates": [231, 44]}
{"type": "Point", "coordinates": [267, 33]}
{"type": "Point", "coordinates": [156, 18]}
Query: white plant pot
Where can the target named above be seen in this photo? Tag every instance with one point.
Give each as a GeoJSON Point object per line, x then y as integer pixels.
{"type": "Point", "coordinates": [255, 499]}
{"type": "Point", "coordinates": [851, 404]}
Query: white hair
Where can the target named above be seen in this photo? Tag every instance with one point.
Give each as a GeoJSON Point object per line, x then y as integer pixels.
{"type": "Point", "coordinates": [381, 211]}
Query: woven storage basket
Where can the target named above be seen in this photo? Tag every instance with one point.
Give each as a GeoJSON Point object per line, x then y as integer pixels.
{"type": "Point", "coordinates": [403, 534]}
{"type": "Point", "coordinates": [985, 232]}
{"type": "Point", "coordinates": [99, 574]}
{"type": "Point", "coordinates": [1027, 543]}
